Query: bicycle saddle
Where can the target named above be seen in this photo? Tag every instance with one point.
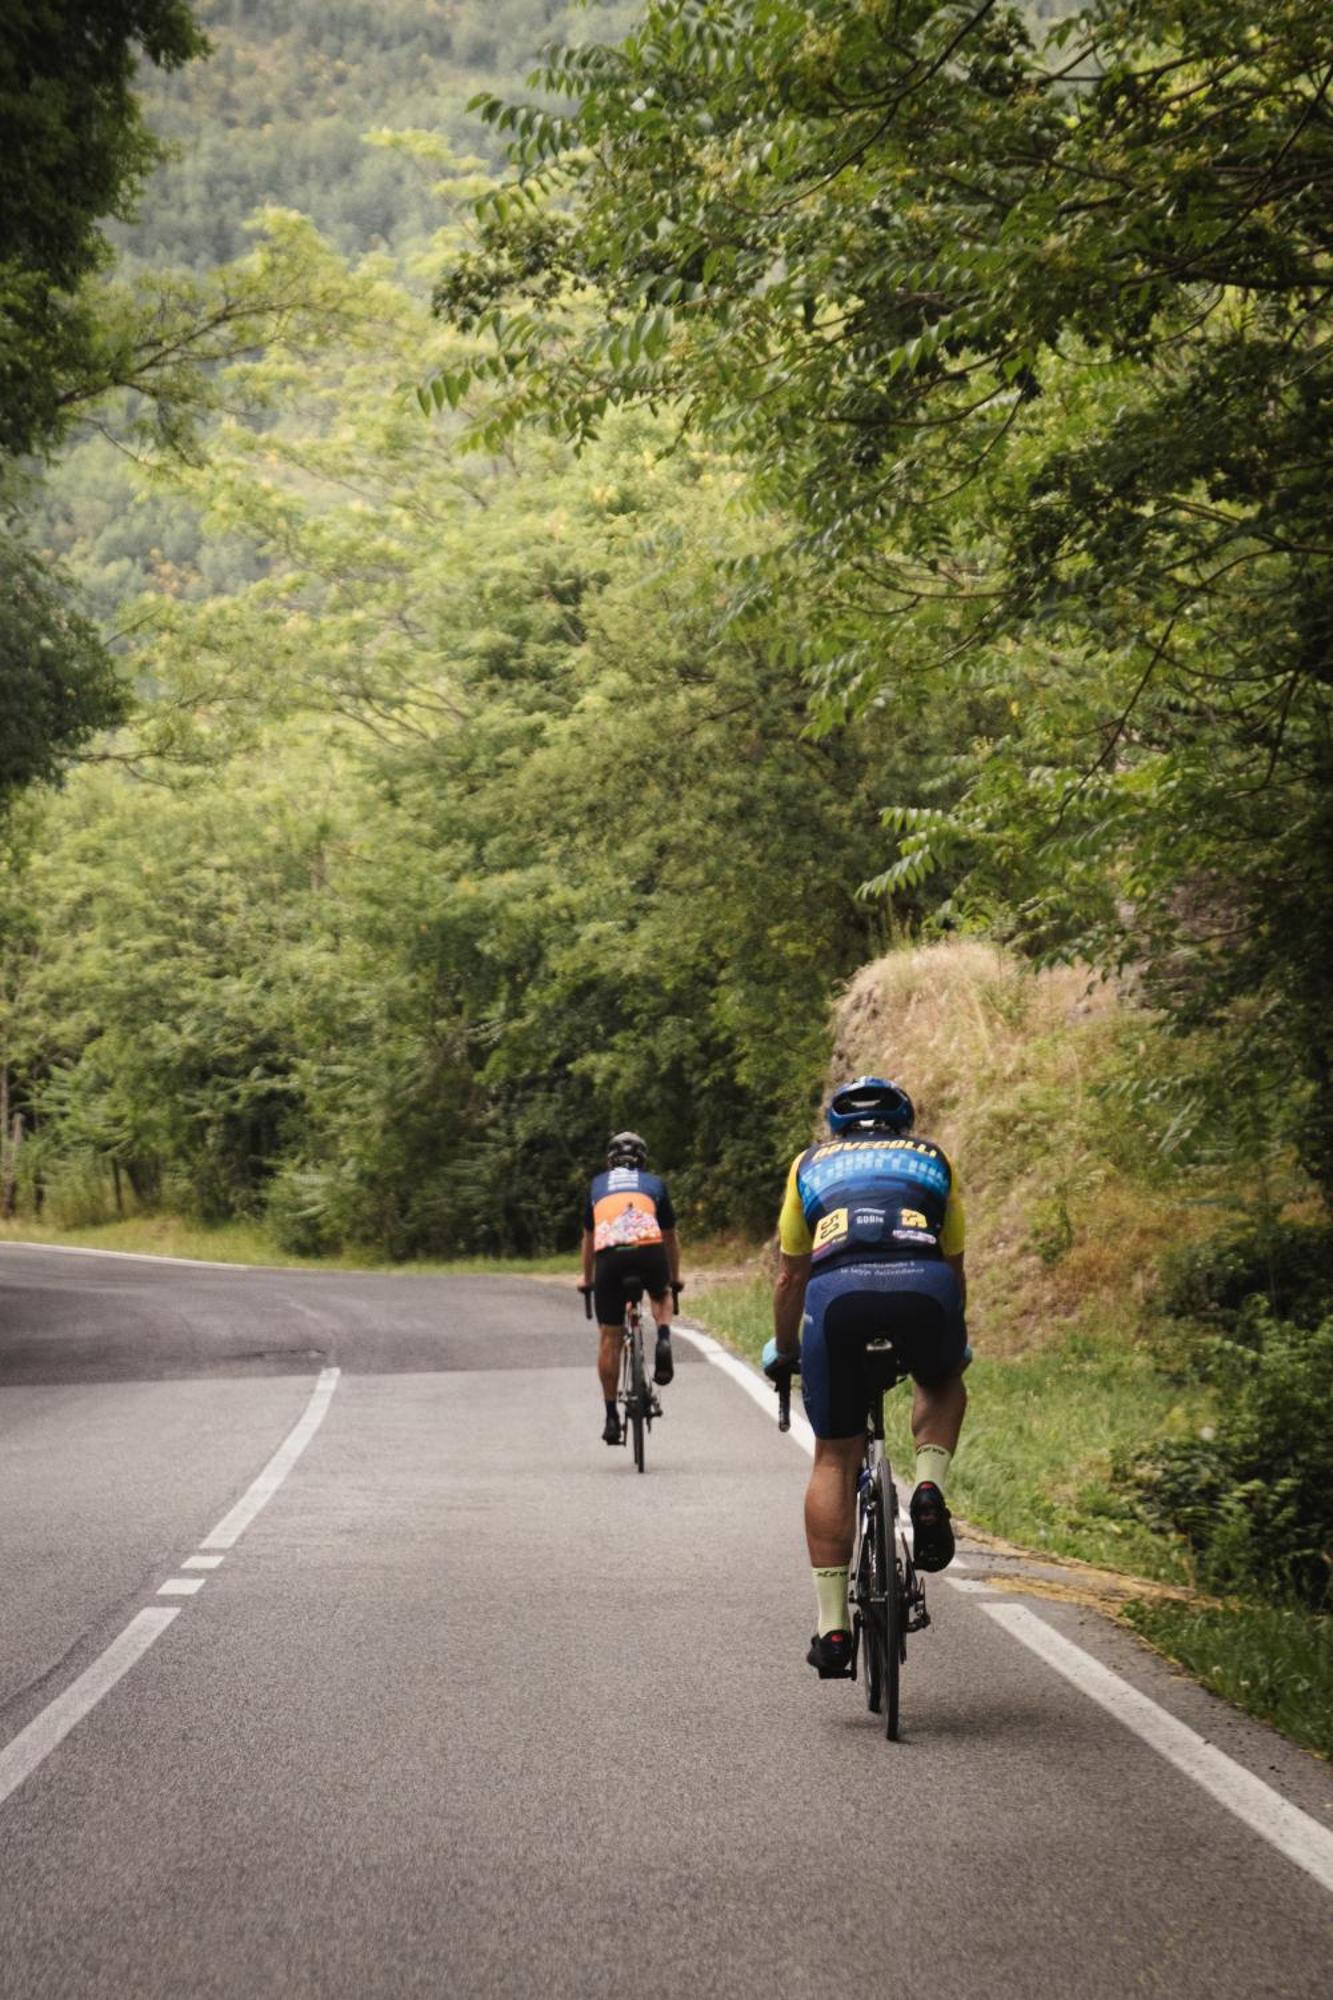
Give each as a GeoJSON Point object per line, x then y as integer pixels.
{"type": "Point", "coordinates": [882, 1365]}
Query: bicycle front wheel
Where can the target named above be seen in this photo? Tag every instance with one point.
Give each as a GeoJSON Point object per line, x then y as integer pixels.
{"type": "Point", "coordinates": [867, 1616]}
{"type": "Point", "coordinates": [894, 1627]}
{"type": "Point", "coordinates": [639, 1392]}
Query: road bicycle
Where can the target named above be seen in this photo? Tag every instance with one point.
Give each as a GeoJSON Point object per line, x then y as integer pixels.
{"type": "Point", "coordinates": [887, 1596]}
{"type": "Point", "coordinates": [636, 1396]}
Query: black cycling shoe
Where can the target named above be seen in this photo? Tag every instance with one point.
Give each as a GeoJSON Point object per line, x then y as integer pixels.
{"type": "Point", "coordinates": [611, 1428]}
{"type": "Point", "coordinates": [663, 1366]}
{"type": "Point", "coordinates": [832, 1655]}
{"type": "Point", "coordinates": [932, 1535]}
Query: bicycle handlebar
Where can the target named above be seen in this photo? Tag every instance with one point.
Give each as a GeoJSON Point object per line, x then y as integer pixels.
{"type": "Point", "coordinates": [783, 1386]}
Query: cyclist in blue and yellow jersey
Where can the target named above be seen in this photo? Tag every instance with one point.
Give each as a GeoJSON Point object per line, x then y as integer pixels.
{"type": "Point", "coordinates": [629, 1226]}
{"type": "Point", "coordinates": [871, 1241]}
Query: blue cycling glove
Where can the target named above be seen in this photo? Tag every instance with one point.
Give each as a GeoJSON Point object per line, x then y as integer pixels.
{"type": "Point", "coordinates": [775, 1364]}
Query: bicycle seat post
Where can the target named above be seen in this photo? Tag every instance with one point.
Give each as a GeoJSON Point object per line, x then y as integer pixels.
{"type": "Point", "coordinates": [882, 1370]}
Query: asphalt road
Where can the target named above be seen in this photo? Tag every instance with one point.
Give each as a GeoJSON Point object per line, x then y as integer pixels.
{"type": "Point", "coordinates": [470, 1709]}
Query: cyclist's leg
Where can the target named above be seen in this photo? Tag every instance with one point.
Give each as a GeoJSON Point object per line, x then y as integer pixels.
{"type": "Point", "coordinates": [658, 1276]}
{"type": "Point", "coordinates": [608, 1360]}
{"type": "Point", "coordinates": [924, 1311]}
{"type": "Point", "coordinates": [937, 1417]}
{"type": "Point", "coordinates": [830, 1501]}
{"type": "Point", "coordinates": [609, 1305]}
{"type": "Point", "coordinates": [833, 1386]}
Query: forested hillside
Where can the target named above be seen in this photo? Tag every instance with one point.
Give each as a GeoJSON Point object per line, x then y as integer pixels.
{"type": "Point", "coordinates": [295, 104]}
{"type": "Point", "coordinates": [788, 564]}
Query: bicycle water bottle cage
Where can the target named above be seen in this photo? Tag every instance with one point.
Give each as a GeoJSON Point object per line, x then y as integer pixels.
{"type": "Point", "coordinates": [882, 1366]}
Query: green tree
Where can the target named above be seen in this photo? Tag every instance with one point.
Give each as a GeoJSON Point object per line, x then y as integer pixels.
{"type": "Point", "coordinates": [1031, 336]}
{"type": "Point", "coordinates": [58, 684]}
{"type": "Point", "coordinates": [76, 153]}
{"type": "Point", "coordinates": [470, 833]}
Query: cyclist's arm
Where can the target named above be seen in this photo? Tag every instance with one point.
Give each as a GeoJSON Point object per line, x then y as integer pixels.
{"type": "Point", "coordinates": [951, 1240]}
{"type": "Point", "coordinates": [789, 1300]}
{"type": "Point", "coordinates": [587, 1256]}
{"type": "Point", "coordinates": [671, 1244]}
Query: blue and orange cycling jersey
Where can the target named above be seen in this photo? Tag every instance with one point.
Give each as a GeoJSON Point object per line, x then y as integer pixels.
{"type": "Point", "coordinates": [882, 1196]}
{"type": "Point", "coordinates": [627, 1206]}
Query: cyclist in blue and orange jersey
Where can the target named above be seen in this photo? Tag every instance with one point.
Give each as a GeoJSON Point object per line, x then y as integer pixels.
{"type": "Point", "coordinates": [629, 1226]}
{"type": "Point", "coordinates": [871, 1242]}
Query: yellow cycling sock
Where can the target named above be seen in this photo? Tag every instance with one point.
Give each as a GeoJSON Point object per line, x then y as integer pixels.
{"type": "Point", "coordinates": [932, 1463]}
{"type": "Point", "coordinates": [831, 1593]}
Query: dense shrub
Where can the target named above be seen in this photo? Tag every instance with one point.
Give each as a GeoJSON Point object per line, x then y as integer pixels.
{"type": "Point", "coordinates": [1255, 1498]}
{"type": "Point", "coordinates": [1288, 1265]}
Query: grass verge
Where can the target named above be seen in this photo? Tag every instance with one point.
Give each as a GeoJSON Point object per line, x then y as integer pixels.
{"type": "Point", "coordinates": [1034, 1468]}
{"type": "Point", "coordinates": [252, 1243]}
{"type": "Point", "coordinates": [1275, 1662]}
{"type": "Point", "coordinates": [1035, 1463]}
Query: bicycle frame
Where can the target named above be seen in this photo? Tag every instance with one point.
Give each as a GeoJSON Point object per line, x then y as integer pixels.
{"type": "Point", "coordinates": [887, 1596]}
{"type": "Point", "coordinates": [635, 1394]}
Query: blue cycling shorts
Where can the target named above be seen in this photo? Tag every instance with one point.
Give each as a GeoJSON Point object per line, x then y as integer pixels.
{"type": "Point", "coordinates": [914, 1300]}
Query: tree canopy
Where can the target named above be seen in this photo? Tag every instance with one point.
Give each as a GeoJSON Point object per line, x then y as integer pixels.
{"type": "Point", "coordinates": [76, 153]}
{"type": "Point", "coordinates": [1027, 327]}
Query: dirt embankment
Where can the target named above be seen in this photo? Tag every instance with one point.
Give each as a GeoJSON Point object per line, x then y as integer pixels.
{"type": "Point", "coordinates": [1018, 1075]}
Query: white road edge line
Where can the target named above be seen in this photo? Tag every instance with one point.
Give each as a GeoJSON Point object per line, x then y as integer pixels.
{"type": "Point", "coordinates": [261, 1490]}
{"type": "Point", "coordinates": [20, 1758]}
{"type": "Point", "coordinates": [1284, 1826]}
{"type": "Point", "coordinates": [181, 1586]}
{"type": "Point", "coordinates": [202, 1562]}
{"type": "Point", "coordinates": [756, 1388]}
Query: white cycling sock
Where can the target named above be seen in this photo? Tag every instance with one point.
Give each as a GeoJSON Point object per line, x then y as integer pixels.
{"type": "Point", "coordinates": [831, 1596]}
{"type": "Point", "coordinates": [932, 1463]}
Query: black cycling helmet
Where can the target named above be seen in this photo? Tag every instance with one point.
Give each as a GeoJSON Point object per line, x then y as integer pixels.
{"type": "Point", "coordinates": [870, 1104]}
{"type": "Point", "coordinates": [626, 1149]}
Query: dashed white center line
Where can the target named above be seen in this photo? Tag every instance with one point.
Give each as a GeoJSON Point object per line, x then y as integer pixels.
{"type": "Point", "coordinates": [20, 1757]}
{"type": "Point", "coordinates": [258, 1494]}
{"type": "Point", "coordinates": [32, 1745]}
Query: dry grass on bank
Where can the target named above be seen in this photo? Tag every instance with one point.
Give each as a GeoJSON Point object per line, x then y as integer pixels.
{"type": "Point", "coordinates": [1067, 1208]}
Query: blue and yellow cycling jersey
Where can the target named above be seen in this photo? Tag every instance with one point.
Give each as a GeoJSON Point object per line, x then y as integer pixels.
{"type": "Point", "coordinates": [879, 1196]}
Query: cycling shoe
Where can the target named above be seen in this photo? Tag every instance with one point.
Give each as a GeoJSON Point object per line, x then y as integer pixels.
{"type": "Point", "coordinates": [832, 1655]}
{"type": "Point", "coordinates": [932, 1535]}
{"type": "Point", "coordinates": [663, 1365]}
{"type": "Point", "coordinates": [611, 1428]}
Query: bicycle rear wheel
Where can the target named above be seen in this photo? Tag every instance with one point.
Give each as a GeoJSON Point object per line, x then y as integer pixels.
{"type": "Point", "coordinates": [894, 1625]}
{"type": "Point", "coordinates": [639, 1392]}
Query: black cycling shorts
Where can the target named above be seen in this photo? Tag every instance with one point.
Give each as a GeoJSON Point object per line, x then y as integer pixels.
{"type": "Point", "coordinates": [913, 1300]}
{"type": "Point", "coordinates": [628, 1271]}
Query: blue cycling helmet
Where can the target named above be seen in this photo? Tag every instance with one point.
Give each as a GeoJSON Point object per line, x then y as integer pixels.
{"type": "Point", "coordinates": [869, 1104]}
